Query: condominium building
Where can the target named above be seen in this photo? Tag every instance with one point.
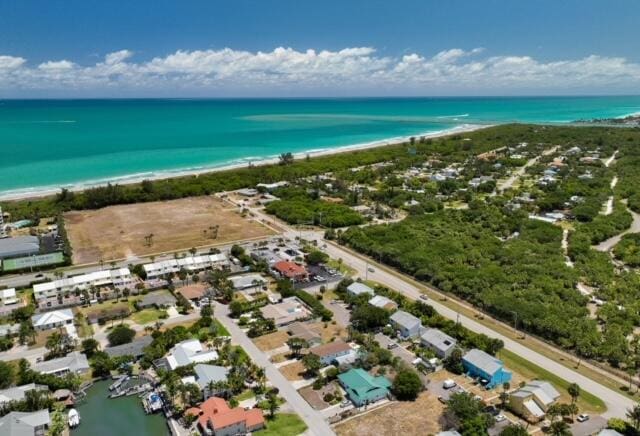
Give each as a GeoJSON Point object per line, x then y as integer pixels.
{"type": "Point", "coordinates": [117, 278]}
{"type": "Point", "coordinates": [191, 264]}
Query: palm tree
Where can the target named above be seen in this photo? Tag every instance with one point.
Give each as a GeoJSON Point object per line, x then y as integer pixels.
{"type": "Point", "coordinates": [574, 391]}
{"type": "Point", "coordinates": [559, 428]}
{"type": "Point", "coordinates": [634, 416]}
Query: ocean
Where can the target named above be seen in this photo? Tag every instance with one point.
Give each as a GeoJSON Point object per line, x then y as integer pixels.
{"type": "Point", "coordinates": [49, 144]}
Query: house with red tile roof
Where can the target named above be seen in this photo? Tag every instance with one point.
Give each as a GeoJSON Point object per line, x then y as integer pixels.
{"type": "Point", "coordinates": [291, 270]}
{"type": "Point", "coordinates": [216, 418]}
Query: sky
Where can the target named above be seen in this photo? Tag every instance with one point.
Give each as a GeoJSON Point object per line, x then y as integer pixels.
{"type": "Point", "coordinates": [290, 48]}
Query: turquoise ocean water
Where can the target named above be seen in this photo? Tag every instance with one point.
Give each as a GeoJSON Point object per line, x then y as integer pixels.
{"type": "Point", "coordinates": [48, 144]}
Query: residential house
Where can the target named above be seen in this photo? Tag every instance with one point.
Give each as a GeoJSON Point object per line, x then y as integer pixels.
{"type": "Point", "coordinates": [303, 331]}
{"type": "Point", "coordinates": [193, 292]}
{"type": "Point", "coordinates": [25, 423]}
{"type": "Point", "coordinates": [54, 319]}
{"type": "Point", "coordinates": [18, 393]}
{"type": "Point", "coordinates": [487, 368]}
{"type": "Point", "coordinates": [362, 388]}
{"type": "Point", "coordinates": [216, 418]}
{"type": "Point", "coordinates": [406, 324]}
{"type": "Point", "coordinates": [75, 363]}
{"type": "Point", "coordinates": [209, 378]}
{"type": "Point", "coordinates": [328, 353]}
{"type": "Point", "coordinates": [247, 281]}
{"type": "Point", "coordinates": [134, 348]}
{"type": "Point", "coordinates": [383, 303]}
{"type": "Point", "coordinates": [438, 341]}
{"type": "Point", "coordinates": [9, 329]}
{"type": "Point", "coordinates": [188, 352]}
{"type": "Point", "coordinates": [291, 271]}
{"type": "Point", "coordinates": [533, 400]}
{"type": "Point", "coordinates": [358, 288]}
{"type": "Point", "coordinates": [291, 309]}
{"type": "Point", "coordinates": [8, 296]}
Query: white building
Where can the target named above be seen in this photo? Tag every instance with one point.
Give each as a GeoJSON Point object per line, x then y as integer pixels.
{"type": "Point", "coordinates": [8, 296]}
{"type": "Point", "coordinates": [50, 320]}
{"type": "Point", "coordinates": [357, 288]}
{"type": "Point", "coordinates": [191, 264]}
{"type": "Point", "coordinates": [188, 352]}
{"type": "Point", "coordinates": [117, 278]}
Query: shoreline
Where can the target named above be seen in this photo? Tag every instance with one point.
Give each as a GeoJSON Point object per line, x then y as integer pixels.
{"type": "Point", "coordinates": [46, 191]}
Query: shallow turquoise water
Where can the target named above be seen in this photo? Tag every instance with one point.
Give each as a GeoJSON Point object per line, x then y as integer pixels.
{"type": "Point", "coordinates": [53, 143]}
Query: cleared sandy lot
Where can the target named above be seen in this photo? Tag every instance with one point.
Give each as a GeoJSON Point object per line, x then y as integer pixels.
{"type": "Point", "coordinates": [420, 417]}
{"type": "Point", "coordinates": [118, 232]}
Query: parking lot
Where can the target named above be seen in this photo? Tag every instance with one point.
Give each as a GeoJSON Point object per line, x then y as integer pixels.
{"type": "Point", "coordinates": [319, 276]}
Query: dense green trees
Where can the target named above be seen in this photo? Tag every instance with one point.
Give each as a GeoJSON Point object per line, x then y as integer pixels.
{"type": "Point", "coordinates": [407, 385]}
{"type": "Point", "coordinates": [628, 250]}
{"type": "Point", "coordinates": [301, 210]}
{"type": "Point", "coordinates": [121, 334]}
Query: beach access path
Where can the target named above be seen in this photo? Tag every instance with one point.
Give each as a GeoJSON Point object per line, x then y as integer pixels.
{"type": "Point", "coordinates": [314, 420]}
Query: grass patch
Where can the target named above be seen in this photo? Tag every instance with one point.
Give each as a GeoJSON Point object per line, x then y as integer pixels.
{"type": "Point", "coordinates": [587, 402]}
{"type": "Point", "coordinates": [245, 395]}
{"type": "Point", "coordinates": [345, 270]}
{"type": "Point", "coordinates": [284, 424]}
{"type": "Point", "coordinates": [220, 329]}
{"type": "Point", "coordinates": [147, 316]}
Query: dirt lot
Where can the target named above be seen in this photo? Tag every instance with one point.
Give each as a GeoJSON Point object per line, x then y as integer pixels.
{"type": "Point", "coordinates": [118, 232]}
{"type": "Point", "coordinates": [411, 418]}
{"type": "Point", "coordinates": [293, 371]}
{"type": "Point", "coordinates": [331, 331]}
{"type": "Point", "coordinates": [271, 341]}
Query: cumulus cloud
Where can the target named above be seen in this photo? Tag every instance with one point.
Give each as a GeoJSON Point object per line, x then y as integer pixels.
{"type": "Point", "coordinates": [357, 69]}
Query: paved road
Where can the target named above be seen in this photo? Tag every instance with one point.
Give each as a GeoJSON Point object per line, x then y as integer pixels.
{"type": "Point", "coordinates": [22, 352]}
{"type": "Point", "coordinates": [507, 184]}
{"type": "Point", "coordinates": [317, 425]}
{"type": "Point", "coordinates": [611, 242]}
{"type": "Point", "coordinates": [616, 403]}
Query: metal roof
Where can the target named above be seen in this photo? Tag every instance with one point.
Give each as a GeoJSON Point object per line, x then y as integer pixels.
{"type": "Point", "coordinates": [483, 361]}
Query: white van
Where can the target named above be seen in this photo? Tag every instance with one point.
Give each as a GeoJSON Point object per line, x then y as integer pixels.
{"type": "Point", "coordinates": [448, 384]}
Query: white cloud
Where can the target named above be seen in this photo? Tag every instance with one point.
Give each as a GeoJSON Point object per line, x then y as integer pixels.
{"type": "Point", "coordinates": [357, 70]}
{"type": "Point", "coordinates": [11, 62]}
{"type": "Point", "coordinates": [56, 65]}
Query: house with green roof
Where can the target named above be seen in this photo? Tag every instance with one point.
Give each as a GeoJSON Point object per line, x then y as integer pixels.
{"type": "Point", "coordinates": [362, 387]}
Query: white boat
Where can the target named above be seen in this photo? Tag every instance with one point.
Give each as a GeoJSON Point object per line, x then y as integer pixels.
{"type": "Point", "coordinates": [73, 418]}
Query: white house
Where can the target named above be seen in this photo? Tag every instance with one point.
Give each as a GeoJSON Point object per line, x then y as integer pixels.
{"type": "Point", "coordinates": [75, 362]}
{"type": "Point", "coordinates": [8, 296]}
{"type": "Point", "coordinates": [188, 352]}
{"type": "Point", "coordinates": [328, 353]}
{"type": "Point", "coordinates": [50, 320]}
{"type": "Point", "coordinates": [383, 302]}
{"type": "Point", "coordinates": [357, 288]}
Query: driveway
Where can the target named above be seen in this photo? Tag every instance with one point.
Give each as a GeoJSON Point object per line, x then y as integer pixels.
{"type": "Point", "coordinates": [314, 420]}
{"type": "Point", "coordinates": [592, 426]}
{"type": "Point", "coordinates": [340, 312]}
{"type": "Point", "coordinates": [399, 351]}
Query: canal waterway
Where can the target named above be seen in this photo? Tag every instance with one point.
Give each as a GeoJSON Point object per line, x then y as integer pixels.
{"type": "Point", "coordinates": [101, 416]}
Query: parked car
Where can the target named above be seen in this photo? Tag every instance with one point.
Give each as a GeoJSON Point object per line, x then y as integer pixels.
{"type": "Point", "coordinates": [448, 384]}
{"type": "Point", "coordinates": [371, 270]}
{"type": "Point", "coordinates": [500, 418]}
{"type": "Point", "coordinates": [423, 297]}
{"type": "Point", "coordinates": [392, 345]}
{"type": "Point", "coordinates": [345, 403]}
{"type": "Point", "coordinates": [583, 417]}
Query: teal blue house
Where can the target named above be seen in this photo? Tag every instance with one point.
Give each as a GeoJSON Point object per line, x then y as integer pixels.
{"type": "Point", "coordinates": [362, 388]}
{"type": "Point", "coordinates": [488, 369]}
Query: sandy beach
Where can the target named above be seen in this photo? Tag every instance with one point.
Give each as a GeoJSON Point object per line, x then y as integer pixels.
{"type": "Point", "coordinates": [39, 192]}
